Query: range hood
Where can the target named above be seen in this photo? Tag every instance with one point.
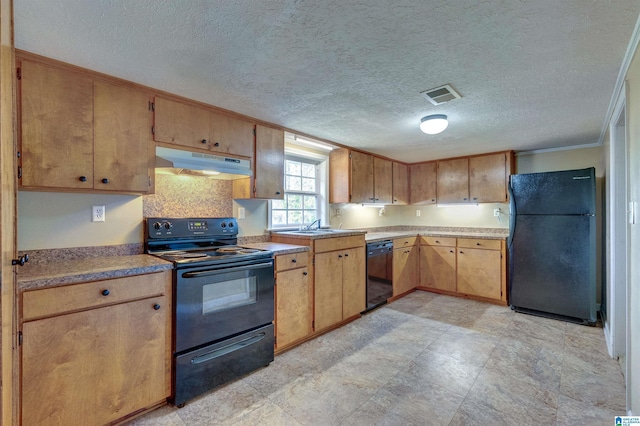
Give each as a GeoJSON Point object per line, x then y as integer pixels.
{"type": "Point", "coordinates": [196, 163]}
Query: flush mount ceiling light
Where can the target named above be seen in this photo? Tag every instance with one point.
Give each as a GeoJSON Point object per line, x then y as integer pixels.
{"type": "Point", "coordinates": [434, 124]}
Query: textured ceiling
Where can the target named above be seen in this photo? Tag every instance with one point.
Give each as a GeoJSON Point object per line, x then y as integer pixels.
{"type": "Point", "coordinates": [533, 74]}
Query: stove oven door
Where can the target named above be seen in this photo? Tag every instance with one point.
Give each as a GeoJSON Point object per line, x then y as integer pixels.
{"type": "Point", "coordinates": [214, 303]}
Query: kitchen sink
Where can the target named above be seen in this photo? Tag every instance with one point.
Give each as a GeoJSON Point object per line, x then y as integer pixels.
{"type": "Point", "coordinates": [311, 231]}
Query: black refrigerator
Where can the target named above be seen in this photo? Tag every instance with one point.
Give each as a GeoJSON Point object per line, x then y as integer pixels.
{"type": "Point", "coordinates": [552, 245]}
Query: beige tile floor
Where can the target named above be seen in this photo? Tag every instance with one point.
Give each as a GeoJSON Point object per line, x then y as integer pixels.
{"type": "Point", "coordinates": [425, 359]}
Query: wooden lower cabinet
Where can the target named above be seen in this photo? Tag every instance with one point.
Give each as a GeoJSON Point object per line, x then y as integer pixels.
{"type": "Point", "coordinates": [438, 267]}
{"type": "Point", "coordinates": [100, 364]}
{"type": "Point", "coordinates": [294, 299]}
{"type": "Point", "coordinates": [354, 286]}
{"type": "Point", "coordinates": [405, 267]}
{"type": "Point", "coordinates": [464, 266]}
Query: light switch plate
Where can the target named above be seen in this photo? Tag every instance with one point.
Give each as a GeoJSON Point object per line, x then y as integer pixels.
{"type": "Point", "coordinates": [241, 213]}
{"type": "Point", "coordinates": [496, 212]}
{"type": "Point", "coordinates": [417, 213]}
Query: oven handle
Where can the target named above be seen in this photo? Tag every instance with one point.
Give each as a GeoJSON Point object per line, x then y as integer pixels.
{"type": "Point", "coordinates": [227, 349]}
{"type": "Point", "coordinates": [225, 270]}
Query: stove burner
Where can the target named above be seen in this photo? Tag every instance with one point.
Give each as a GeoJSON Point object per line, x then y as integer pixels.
{"type": "Point", "coordinates": [247, 251]}
{"type": "Point", "coordinates": [185, 255]}
{"type": "Point", "coordinates": [228, 250]}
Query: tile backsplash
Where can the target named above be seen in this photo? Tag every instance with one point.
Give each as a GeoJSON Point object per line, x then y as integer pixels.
{"type": "Point", "coordinates": [189, 196]}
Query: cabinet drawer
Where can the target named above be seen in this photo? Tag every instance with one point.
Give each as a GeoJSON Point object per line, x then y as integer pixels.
{"type": "Point", "coordinates": [338, 243]}
{"type": "Point", "coordinates": [58, 300]}
{"type": "Point", "coordinates": [404, 242]}
{"type": "Point", "coordinates": [479, 243]}
{"type": "Point", "coordinates": [438, 241]}
{"type": "Point", "coordinates": [285, 262]}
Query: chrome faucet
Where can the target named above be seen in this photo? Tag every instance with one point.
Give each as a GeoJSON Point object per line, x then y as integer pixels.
{"type": "Point", "coordinates": [308, 227]}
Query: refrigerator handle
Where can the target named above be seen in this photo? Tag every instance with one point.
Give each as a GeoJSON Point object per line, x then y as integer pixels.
{"type": "Point", "coordinates": [512, 214]}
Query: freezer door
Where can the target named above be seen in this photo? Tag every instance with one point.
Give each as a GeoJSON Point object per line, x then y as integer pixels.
{"type": "Point", "coordinates": [552, 265]}
{"type": "Point", "coordinates": [565, 192]}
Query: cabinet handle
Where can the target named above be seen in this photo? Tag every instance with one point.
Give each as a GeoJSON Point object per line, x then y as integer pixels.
{"type": "Point", "coordinates": [293, 260]}
{"type": "Point", "coordinates": [105, 180]}
{"type": "Point", "coordinates": [304, 273]}
{"type": "Point", "coordinates": [203, 141]}
{"type": "Point", "coordinates": [82, 178]}
{"type": "Point", "coordinates": [105, 292]}
{"type": "Point", "coordinates": [156, 307]}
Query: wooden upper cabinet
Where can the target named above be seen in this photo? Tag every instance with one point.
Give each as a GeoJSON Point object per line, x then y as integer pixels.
{"type": "Point", "coordinates": [269, 163]}
{"type": "Point", "coordinates": [181, 124]}
{"type": "Point", "coordinates": [81, 133]}
{"type": "Point", "coordinates": [400, 183]}
{"type": "Point", "coordinates": [453, 181]}
{"type": "Point", "coordinates": [195, 126]}
{"type": "Point", "coordinates": [423, 183]}
{"type": "Point", "coordinates": [382, 180]}
{"type": "Point", "coordinates": [56, 143]}
{"type": "Point", "coordinates": [124, 151]}
{"type": "Point", "coordinates": [361, 178]}
{"type": "Point", "coordinates": [488, 176]}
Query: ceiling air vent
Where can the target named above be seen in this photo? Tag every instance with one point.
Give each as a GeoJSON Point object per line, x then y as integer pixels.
{"type": "Point", "coordinates": [440, 95]}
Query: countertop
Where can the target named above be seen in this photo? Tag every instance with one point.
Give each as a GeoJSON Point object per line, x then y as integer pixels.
{"type": "Point", "coordinates": [278, 248]}
{"type": "Point", "coordinates": [482, 233]}
{"type": "Point", "coordinates": [62, 272]}
{"type": "Point", "coordinates": [332, 233]}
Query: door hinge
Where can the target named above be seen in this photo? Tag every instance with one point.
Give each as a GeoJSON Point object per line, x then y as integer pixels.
{"type": "Point", "coordinates": [254, 131]}
{"type": "Point", "coordinates": [153, 130]}
{"type": "Point", "coordinates": [149, 181]}
{"type": "Point", "coordinates": [18, 154]}
{"type": "Point", "coordinates": [19, 338]}
{"type": "Point", "coordinates": [254, 190]}
{"type": "Point", "coordinates": [19, 172]}
{"type": "Point", "coordinates": [313, 325]}
{"type": "Point", "coordinates": [18, 73]}
{"type": "Point", "coordinates": [152, 106]}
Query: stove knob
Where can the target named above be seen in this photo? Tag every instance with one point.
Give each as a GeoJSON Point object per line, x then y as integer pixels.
{"type": "Point", "coordinates": [230, 224]}
{"type": "Point", "coordinates": [168, 225]}
{"type": "Point", "coordinates": [223, 225]}
{"type": "Point", "coordinates": [157, 226]}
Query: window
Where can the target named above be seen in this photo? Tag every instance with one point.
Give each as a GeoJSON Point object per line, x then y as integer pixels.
{"type": "Point", "coordinates": [304, 197]}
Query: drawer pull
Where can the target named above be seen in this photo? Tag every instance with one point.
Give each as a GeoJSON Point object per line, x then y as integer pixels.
{"type": "Point", "coordinates": [293, 260]}
{"type": "Point", "coordinates": [156, 307]}
{"type": "Point", "coordinates": [105, 181]}
{"type": "Point", "coordinates": [437, 242]}
{"type": "Point", "coordinates": [105, 292]}
{"type": "Point", "coordinates": [203, 141]}
{"type": "Point", "coordinates": [450, 251]}
{"type": "Point", "coordinates": [216, 144]}
{"type": "Point", "coordinates": [82, 178]}
{"type": "Point", "coordinates": [346, 255]}
{"type": "Point", "coordinates": [304, 273]}
{"type": "Point", "coordinates": [477, 244]}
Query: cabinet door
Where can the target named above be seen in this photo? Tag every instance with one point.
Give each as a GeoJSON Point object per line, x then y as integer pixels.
{"type": "Point", "coordinates": [231, 135]}
{"type": "Point", "coordinates": [354, 286]}
{"type": "Point", "coordinates": [361, 178]}
{"type": "Point", "coordinates": [479, 272]}
{"type": "Point", "coordinates": [269, 161]}
{"type": "Point", "coordinates": [453, 181]}
{"type": "Point", "coordinates": [488, 178]}
{"type": "Point", "coordinates": [57, 127]}
{"type": "Point", "coordinates": [438, 267]}
{"type": "Point", "coordinates": [383, 180]}
{"type": "Point", "coordinates": [328, 289]}
{"type": "Point", "coordinates": [423, 179]}
{"type": "Point", "coordinates": [181, 124]}
{"type": "Point", "coordinates": [95, 366]}
{"type": "Point", "coordinates": [404, 270]}
{"type": "Point", "coordinates": [400, 182]}
{"type": "Point", "coordinates": [124, 150]}
{"type": "Point", "coordinates": [293, 306]}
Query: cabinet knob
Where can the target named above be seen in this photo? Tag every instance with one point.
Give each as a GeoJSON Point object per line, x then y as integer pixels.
{"type": "Point", "coordinates": [105, 292]}
{"type": "Point", "coordinates": [346, 255]}
{"type": "Point", "coordinates": [450, 251]}
{"type": "Point", "coordinates": [461, 252]}
{"type": "Point", "coordinates": [465, 199]}
{"type": "Point", "coordinates": [216, 144]}
{"type": "Point", "coordinates": [304, 273]}
{"type": "Point", "coordinates": [105, 180]}
{"type": "Point", "coordinates": [339, 256]}
{"type": "Point", "coordinates": [82, 178]}
{"type": "Point", "coordinates": [277, 192]}
{"type": "Point", "coordinates": [156, 306]}
{"type": "Point", "coordinates": [433, 199]}
{"type": "Point", "coordinates": [475, 198]}
{"type": "Point", "coordinates": [293, 260]}
{"type": "Point", "coordinates": [437, 242]}
{"type": "Point", "coordinates": [477, 244]}
{"type": "Point", "coordinates": [203, 141]}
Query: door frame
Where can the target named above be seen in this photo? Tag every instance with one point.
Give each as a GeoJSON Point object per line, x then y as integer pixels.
{"type": "Point", "coordinates": [617, 327]}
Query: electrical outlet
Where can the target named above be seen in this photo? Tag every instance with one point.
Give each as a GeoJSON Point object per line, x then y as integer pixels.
{"type": "Point", "coordinates": [241, 213]}
{"type": "Point", "coordinates": [417, 213]}
{"type": "Point", "coordinates": [496, 212]}
{"type": "Point", "coordinates": [338, 213]}
{"type": "Point", "coordinates": [97, 214]}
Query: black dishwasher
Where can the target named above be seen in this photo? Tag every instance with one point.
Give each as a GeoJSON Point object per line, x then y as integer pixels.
{"type": "Point", "coordinates": [379, 273]}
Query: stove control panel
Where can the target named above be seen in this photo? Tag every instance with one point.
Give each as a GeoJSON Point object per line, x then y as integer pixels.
{"type": "Point", "coordinates": [158, 228]}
